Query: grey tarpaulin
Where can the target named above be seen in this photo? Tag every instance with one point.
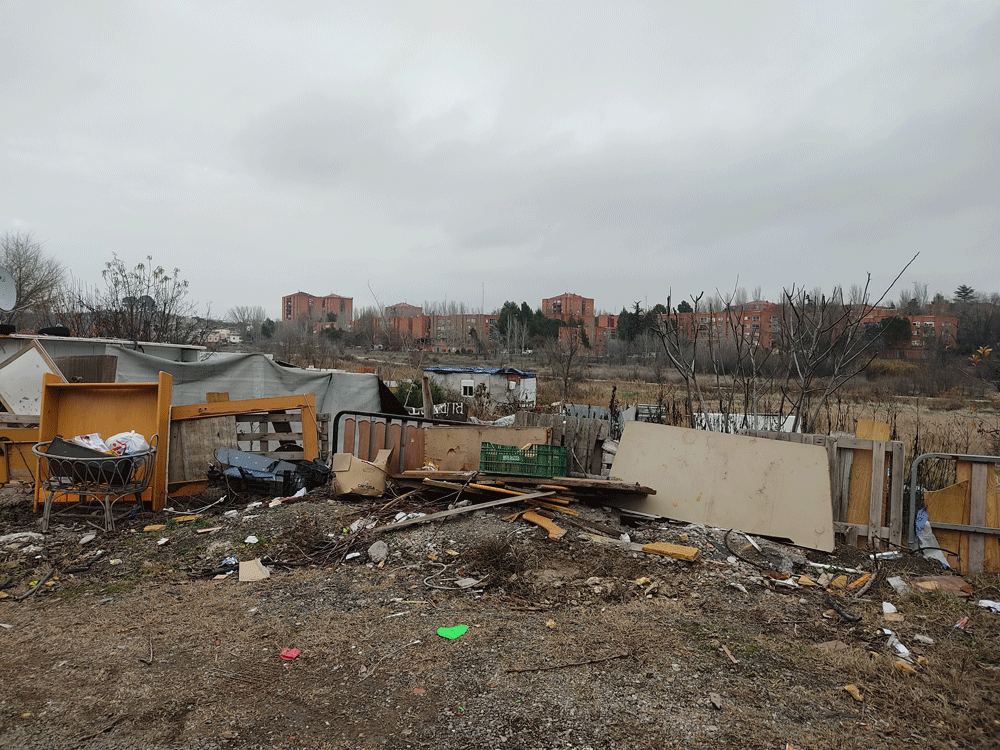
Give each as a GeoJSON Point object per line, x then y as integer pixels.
{"type": "Point", "coordinates": [249, 376]}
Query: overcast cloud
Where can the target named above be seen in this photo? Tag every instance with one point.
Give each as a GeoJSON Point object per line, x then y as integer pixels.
{"type": "Point", "coordinates": [506, 150]}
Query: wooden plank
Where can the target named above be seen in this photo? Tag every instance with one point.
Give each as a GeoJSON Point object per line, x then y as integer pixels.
{"type": "Point", "coordinates": [859, 503]}
{"type": "Point", "coordinates": [265, 436]}
{"type": "Point", "coordinates": [457, 511]}
{"type": "Point", "coordinates": [574, 484]}
{"type": "Point", "coordinates": [394, 439]}
{"type": "Point", "coordinates": [364, 440]}
{"type": "Point", "coordinates": [991, 552]}
{"type": "Point", "coordinates": [554, 507]}
{"type": "Point", "coordinates": [896, 521]}
{"type": "Point", "coordinates": [214, 397]}
{"type": "Point", "coordinates": [876, 508]}
{"type": "Point", "coordinates": [846, 459]}
{"type": "Point", "coordinates": [194, 443]}
{"type": "Point", "coordinates": [378, 436]}
{"type": "Point", "coordinates": [278, 403]}
{"type": "Point", "coordinates": [831, 457]}
{"type": "Point", "coordinates": [948, 506]}
{"type": "Point", "coordinates": [413, 457]}
{"type": "Point", "coordinates": [677, 551]}
{"type": "Point", "coordinates": [350, 425]}
{"type": "Point", "coordinates": [963, 472]}
{"type": "Point", "coordinates": [556, 532]}
{"type": "Point", "coordinates": [977, 515]}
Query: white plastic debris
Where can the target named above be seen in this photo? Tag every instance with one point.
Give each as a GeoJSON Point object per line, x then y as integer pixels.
{"type": "Point", "coordinates": [900, 586]}
{"type": "Point", "coordinates": [251, 540]}
{"type": "Point", "coordinates": [925, 639]}
{"type": "Point", "coordinates": [231, 513]}
{"type": "Point", "coordinates": [894, 642]}
{"type": "Point", "coordinates": [990, 605]}
{"type": "Point", "coordinates": [888, 609]}
{"type": "Point", "coordinates": [161, 542]}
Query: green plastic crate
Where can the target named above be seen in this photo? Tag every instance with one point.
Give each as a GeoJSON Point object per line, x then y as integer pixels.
{"type": "Point", "coordinates": [533, 461]}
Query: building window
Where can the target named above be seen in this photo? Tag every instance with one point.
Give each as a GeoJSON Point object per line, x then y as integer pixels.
{"type": "Point", "coordinates": [468, 388]}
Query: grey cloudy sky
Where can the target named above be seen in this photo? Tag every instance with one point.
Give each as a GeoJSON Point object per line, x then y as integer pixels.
{"type": "Point", "coordinates": [506, 150]}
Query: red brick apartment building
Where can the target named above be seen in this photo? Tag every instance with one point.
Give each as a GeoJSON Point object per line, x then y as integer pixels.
{"type": "Point", "coordinates": [757, 322]}
{"type": "Point", "coordinates": [927, 333]}
{"type": "Point", "coordinates": [406, 326]}
{"type": "Point", "coordinates": [568, 307]}
{"type": "Point", "coordinates": [314, 308]}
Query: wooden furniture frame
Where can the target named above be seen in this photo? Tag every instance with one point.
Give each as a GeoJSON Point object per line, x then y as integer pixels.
{"type": "Point", "coordinates": [70, 409]}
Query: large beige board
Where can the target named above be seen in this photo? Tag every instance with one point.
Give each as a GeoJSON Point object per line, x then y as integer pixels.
{"type": "Point", "coordinates": [757, 485]}
{"type": "Point", "coordinates": [458, 448]}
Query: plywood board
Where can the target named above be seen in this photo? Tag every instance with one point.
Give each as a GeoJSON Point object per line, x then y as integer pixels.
{"type": "Point", "coordinates": [458, 448]}
{"type": "Point", "coordinates": [768, 487]}
{"type": "Point", "coordinates": [859, 505]}
{"type": "Point", "coordinates": [193, 443]}
{"type": "Point", "coordinates": [950, 505]}
{"type": "Point", "coordinates": [16, 459]}
{"type": "Point", "coordinates": [21, 379]}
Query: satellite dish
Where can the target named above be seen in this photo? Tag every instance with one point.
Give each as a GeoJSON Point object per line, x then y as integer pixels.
{"type": "Point", "coordinates": [8, 291]}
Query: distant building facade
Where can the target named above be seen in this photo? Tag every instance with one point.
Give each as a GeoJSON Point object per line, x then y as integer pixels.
{"type": "Point", "coordinates": [317, 309]}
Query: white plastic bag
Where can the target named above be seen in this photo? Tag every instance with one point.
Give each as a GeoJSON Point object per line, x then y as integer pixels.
{"type": "Point", "coordinates": [92, 441]}
{"type": "Point", "coordinates": [127, 443]}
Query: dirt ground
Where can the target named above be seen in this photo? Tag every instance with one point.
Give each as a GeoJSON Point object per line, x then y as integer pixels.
{"type": "Point", "coordinates": [571, 644]}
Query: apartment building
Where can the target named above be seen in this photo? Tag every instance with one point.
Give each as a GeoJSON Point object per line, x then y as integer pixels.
{"type": "Point", "coordinates": [406, 326]}
{"type": "Point", "coordinates": [316, 309]}
{"type": "Point", "coordinates": [927, 333]}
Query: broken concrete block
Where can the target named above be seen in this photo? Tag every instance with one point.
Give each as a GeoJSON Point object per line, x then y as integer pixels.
{"type": "Point", "coordinates": [378, 552]}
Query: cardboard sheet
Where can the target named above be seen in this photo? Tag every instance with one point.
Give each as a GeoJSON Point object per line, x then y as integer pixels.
{"type": "Point", "coordinates": [458, 448]}
{"type": "Point", "coordinates": [757, 485]}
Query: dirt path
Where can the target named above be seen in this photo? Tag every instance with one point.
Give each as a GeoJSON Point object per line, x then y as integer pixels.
{"type": "Point", "coordinates": [563, 649]}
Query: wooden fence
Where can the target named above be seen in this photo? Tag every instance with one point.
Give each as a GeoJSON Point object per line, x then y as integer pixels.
{"type": "Point", "coordinates": [866, 485]}
{"type": "Point", "coordinates": [583, 438]}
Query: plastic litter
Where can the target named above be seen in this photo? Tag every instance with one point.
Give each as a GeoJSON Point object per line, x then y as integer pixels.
{"type": "Point", "coordinates": [456, 631]}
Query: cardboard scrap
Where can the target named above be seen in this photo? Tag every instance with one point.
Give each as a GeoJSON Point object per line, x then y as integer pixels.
{"type": "Point", "coordinates": [253, 570]}
{"type": "Point", "coordinates": [677, 551]}
{"type": "Point", "coordinates": [155, 527]}
{"type": "Point", "coordinates": [955, 585]}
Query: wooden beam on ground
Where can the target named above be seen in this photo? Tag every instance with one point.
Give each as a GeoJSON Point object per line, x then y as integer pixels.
{"type": "Point", "coordinates": [555, 532]}
{"type": "Point", "coordinates": [458, 511]}
{"type": "Point", "coordinates": [678, 551]}
{"type": "Point", "coordinates": [549, 506]}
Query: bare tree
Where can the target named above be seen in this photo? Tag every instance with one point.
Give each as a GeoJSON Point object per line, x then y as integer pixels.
{"type": "Point", "coordinates": [564, 357]}
{"type": "Point", "coordinates": [248, 319]}
{"type": "Point", "coordinates": [825, 343]}
{"type": "Point", "coordinates": [144, 303]}
{"type": "Point", "coordinates": [38, 279]}
{"type": "Point", "coordinates": [680, 344]}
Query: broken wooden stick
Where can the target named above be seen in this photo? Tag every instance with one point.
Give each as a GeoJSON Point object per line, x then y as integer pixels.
{"type": "Point", "coordinates": [555, 532]}
{"type": "Point", "coordinates": [34, 589]}
{"type": "Point", "coordinates": [678, 551]}
{"type": "Point", "coordinates": [569, 664]}
{"type": "Point", "coordinates": [457, 511]}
